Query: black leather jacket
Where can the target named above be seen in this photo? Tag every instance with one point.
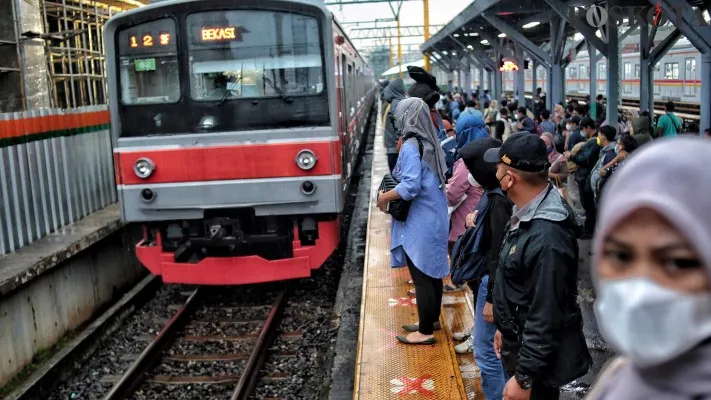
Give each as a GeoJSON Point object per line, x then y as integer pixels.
{"type": "Point", "coordinates": [535, 294]}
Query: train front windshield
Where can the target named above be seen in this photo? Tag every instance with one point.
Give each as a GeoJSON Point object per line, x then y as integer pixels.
{"type": "Point", "coordinates": [282, 55]}
{"type": "Point", "coordinates": [222, 63]}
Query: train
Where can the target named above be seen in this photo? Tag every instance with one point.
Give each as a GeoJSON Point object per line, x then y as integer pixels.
{"type": "Point", "coordinates": [676, 76]}
{"type": "Point", "coordinates": [236, 128]}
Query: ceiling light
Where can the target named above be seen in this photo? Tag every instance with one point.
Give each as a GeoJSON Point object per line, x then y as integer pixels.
{"type": "Point", "coordinates": [531, 24]}
{"type": "Point", "coordinates": [466, 34]}
{"type": "Point", "coordinates": [444, 52]}
{"type": "Point", "coordinates": [473, 34]}
{"type": "Point", "coordinates": [502, 35]}
{"type": "Point", "coordinates": [456, 35]}
{"type": "Point", "coordinates": [470, 47]}
{"type": "Point", "coordinates": [484, 41]}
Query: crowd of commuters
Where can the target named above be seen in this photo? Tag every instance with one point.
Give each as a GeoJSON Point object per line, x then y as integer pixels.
{"type": "Point", "coordinates": [527, 183]}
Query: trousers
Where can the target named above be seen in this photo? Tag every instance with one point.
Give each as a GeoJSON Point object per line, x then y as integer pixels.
{"type": "Point", "coordinates": [539, 390]}
{"type": "Point", "coordinates": [428, 293]}
{"type": "Point", "coordinates": [392, 160]}
{"type": "Point", "coordinates": [492, 372]}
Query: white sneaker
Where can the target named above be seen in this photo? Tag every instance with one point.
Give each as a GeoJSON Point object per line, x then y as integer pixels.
{"type": "Point", "coordinates": [465, 347]}
{"type": "Point", "coordinates": [459, 336]}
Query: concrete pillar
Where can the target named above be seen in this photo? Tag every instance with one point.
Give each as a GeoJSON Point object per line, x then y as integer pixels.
{"type": "Point", "coordinates": [705, 94]}
{"type": "Point", "coordinates": [646, 83]}
{"type": "Point", "coordinates": [481, 82]}
{"type": "Point", "coordinates": [556, 76]}
{"type": "Point", "coordinates": [490, 82]}
{"type": "Point", "coordinates": [459, 80]}
{"type": "Point", "coordinates": [549, 89]}
{"type": "Point", "coordinates": [613, 73]}
{"type": "Point", "coordinates": [520, 78]}
{"type": "Point", "coordinates": [33, 64]}
{"type": "Point", "coordinates": [592, 69]}
{"type": "Point", "coordinates": [498, 91]}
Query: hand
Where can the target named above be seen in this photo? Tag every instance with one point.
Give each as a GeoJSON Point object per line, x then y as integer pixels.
{"type": "Point", "coordinates": [566, 154]}
{"type": "Point", "coordinates": [489, 313]}
{"type": "Point", "coordinates": [470, 221]}
{"type": "Point", "coordinates": [382, 203]}
{"type": "Point", "coordinates": [498, 341]}
{"type": "Point", "coordinates": [513, 391]}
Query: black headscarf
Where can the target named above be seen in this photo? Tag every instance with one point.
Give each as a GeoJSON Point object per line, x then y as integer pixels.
{"type": "Point", "coordinates": [425, 86]}
{"type": "Point", "coordinates": [473, 156]}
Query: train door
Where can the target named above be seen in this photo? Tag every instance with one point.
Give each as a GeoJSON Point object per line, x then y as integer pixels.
{"type": "Point", "coordinates": [690, 77]}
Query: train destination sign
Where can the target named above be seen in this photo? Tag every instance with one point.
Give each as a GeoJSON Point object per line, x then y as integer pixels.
{"type": "Point", "coordinates": [222, 34]}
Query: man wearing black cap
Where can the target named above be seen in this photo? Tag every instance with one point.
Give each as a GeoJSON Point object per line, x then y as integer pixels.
{"type": "Point", "coordinates": [539, 339]}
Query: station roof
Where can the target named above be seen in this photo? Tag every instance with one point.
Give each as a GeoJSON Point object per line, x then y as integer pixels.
{"type": "Point", "coordinates": [403, 68]}
{"type": "Point", "coordinates": [480, 28]}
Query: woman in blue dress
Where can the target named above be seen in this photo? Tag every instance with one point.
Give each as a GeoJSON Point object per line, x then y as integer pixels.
{"type": "Point", "coordinates": [420, 242]}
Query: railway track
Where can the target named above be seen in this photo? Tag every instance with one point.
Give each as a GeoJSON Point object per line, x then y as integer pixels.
{"type": "Point", "coordinates": [152, 369]}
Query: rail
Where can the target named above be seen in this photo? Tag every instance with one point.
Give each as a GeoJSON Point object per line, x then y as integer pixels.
{"type": "Point", "coordinates": [56, 167]}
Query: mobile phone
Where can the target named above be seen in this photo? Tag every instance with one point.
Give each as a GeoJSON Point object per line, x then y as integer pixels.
{"type": "Point", "coordinates": [387, 208]}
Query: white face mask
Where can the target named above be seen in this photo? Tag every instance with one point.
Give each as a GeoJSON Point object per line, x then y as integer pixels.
{"type": "Point", "coordinates": [473, 181]}
{"type": "Point", "coordinates": [569, 127]}
{"type": "Point", "coordinates": [649, 323]}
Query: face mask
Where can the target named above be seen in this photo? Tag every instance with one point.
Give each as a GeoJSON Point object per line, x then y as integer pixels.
{"type": "Point", "coordinates": [503, 189]}
{"type": "Point", "coordinates": [568, 127]}
{"type": "Point", "coordinates": [516, 117]}
{"type": "Point", "coordinates": [649, 323]}
{"type": "Point", "coordinates": [473, 181]}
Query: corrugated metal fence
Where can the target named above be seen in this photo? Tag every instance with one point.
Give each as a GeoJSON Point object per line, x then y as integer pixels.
{"type": "Point", "coordinates": [56, 167]}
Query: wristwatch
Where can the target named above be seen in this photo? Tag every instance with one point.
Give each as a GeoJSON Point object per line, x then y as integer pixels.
{"type": "Point", "coordinates": [524, 381]}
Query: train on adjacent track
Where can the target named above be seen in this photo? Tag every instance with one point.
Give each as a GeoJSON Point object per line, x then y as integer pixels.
{"type": "Point", "coordinates": [236, 129]}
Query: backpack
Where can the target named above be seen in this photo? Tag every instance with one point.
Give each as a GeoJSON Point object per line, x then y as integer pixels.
{"type": "Point", "coordinates": [468, 260]}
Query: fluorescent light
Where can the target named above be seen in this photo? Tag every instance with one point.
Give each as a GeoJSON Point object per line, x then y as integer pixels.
{"type": "Point", "coordinates": [470, 47]}
{"type": "Point", "coordinates": [444, 52]}
{"type": "Point", "coordinates": [466, 34]}
{"type": "Point", "coordinates": [502, 35]}
{"type": "Point", "coordinates": [473, 34]}
{"type": "Point", "coordinates": [484, 41]}
{"type": "Point", "coordinates": [456, 35]}
{"type": "Point", "coordinates": [531, 24]}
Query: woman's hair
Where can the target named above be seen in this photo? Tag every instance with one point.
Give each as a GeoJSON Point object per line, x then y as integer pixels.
{"type": "Point", "coordinates": [629, 143]}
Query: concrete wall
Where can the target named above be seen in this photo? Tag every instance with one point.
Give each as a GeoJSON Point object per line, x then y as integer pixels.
{"type": "Point", "coordinates": [36, 315]}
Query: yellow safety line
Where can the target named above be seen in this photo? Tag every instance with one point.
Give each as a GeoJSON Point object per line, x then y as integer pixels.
{"type": "Point", "coordinates": [361, 330]}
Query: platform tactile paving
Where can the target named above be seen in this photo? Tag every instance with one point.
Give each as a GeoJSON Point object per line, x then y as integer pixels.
{"type": "Point", "coordinates": [387, 369]}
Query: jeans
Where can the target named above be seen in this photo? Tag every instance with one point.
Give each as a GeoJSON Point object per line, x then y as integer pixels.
{"type": "Point", "coordinates": [492, 372]}
{"type": "Point", "coordinates": [428, 292]}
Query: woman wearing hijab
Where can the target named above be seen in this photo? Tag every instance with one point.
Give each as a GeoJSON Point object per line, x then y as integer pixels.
{"type": "Point", "coordinates": [558, 171]}
{"type": "Point", "coordinates": [652, 271]}
{"type": "Point", "coordinates": [470, 128]}
{"type": "Point", "coordinates": [640, 128]}
{"type": "Point", "coordinates": [420, 242]}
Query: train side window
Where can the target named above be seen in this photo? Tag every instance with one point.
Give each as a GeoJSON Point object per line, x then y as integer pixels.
{"type": "Point", "coordinates": [148, 63]}
{"type": "Point", "coordinates": [636, 70]}
{"type": "Point", "coordinates": [602, 71]}
{"type": "Point", "coordinates": [671, 71]}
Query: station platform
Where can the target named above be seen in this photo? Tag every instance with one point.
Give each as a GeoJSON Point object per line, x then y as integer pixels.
{"type": "Point", "coordinates": [385, 368]}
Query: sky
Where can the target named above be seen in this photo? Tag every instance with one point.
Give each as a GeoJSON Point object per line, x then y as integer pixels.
{"type": "Point", "coordinates": [412, 13]}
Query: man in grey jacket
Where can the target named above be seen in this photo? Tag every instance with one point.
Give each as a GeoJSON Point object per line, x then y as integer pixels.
{"type": "Point", "coordinates": [393, 93]}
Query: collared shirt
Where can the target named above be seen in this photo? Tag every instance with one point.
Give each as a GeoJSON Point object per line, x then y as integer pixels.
{"type": "Point", "coordinates": [517, 214]}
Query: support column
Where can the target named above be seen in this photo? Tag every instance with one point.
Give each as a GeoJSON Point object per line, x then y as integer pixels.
{"type": "Point", "coordinates": [705, 94]}
{"type": "Point", "coordinates": [557, 88]}
{"type": "Point", "coordinates": [490, 83]}
{"type": "Point", "coordinates": [33, 64]}
{"type": "Point", "coordinates": [534, 76]}
{"type": "Point", "coordinates": [549, 89]}
{"type": "Point", "coordinates": [592, 74]}
{"type": "Point", "coordinates": [459, 79]}
{"type": "Point", "coordinates": [520, 88]}
{"type": "Point", "coordinates": [468, 80]}
{"type": "Point", "coordinates": [646, 84]}
{"type": "Point", "coordinates": [497, 89]}
{"type": "Point", "coordinates": [613, 72]}
{"type": "Point", "coordinates": [481, 82]}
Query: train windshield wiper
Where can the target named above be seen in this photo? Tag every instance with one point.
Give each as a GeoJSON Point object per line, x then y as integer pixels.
{"type": "Point", "coordinates": [281, 94]}
{"type": "Point", "coordinates": [228, 90]}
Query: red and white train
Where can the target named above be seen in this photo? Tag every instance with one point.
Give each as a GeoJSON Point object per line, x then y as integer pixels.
{"type": "Point", "coordinates": [236, 127]}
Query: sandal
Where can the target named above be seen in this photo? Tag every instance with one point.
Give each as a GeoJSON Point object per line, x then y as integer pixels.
{"type": "Point", "coordinates": [416, 327]}
{"type": "Point", "coordinates": [403, 339]}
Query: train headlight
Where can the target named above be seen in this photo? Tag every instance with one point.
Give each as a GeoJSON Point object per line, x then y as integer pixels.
{"type": "Point", "coordinates": [306, 159]}
{"type": "Point", "coordinates": [144, 168]}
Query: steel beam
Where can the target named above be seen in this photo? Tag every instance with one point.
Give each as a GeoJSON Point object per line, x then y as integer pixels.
{"type": "Point", "coordinates": [497, 91]}
{"type": "Point", "coordinates": [664, 46]}
{"type": "Point", "coordinates": [468, 80]}
{"type": "Point", "coordinates": [465, 17]}
{"type": "Point", "coordinates": [531, 48]}
{"type": "Point", "coordinates": [613, 72]}
{"type": "Point", "coordinates": [481, 82]}
{"type": "Point", "coordinates": [541, 17]}
{"type": "Point", "coordinates": [705, 95]}
{"type": "Point", "coordinates": [390, 31]}
{"type": "Point", "coordinates": [697, 31]}
{"type": "Point", "coordinates": [622, 37]}
{"type": "Point", "coordinates": [520, 88]}
{"type": "Point", "coordinates": [494, 42]}
{"type": "Point", "coordinates": [565, 11]}
{"type": "Point", "coordinates": [534, 76]}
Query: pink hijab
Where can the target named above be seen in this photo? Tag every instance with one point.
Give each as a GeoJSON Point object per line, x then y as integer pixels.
{"type": "Point", "coordinates": [671, 177]}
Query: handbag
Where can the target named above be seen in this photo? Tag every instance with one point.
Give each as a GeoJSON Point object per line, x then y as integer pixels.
{"type": "Point", "coordinates": [399, 208]}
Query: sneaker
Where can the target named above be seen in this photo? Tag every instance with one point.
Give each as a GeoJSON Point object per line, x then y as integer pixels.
{"type": "Point", "coordinates": [453, 288]}
{"type": "Point", "coordinates": [459, 336]}
{"type": "Point", "coordinates": [465, 347]}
